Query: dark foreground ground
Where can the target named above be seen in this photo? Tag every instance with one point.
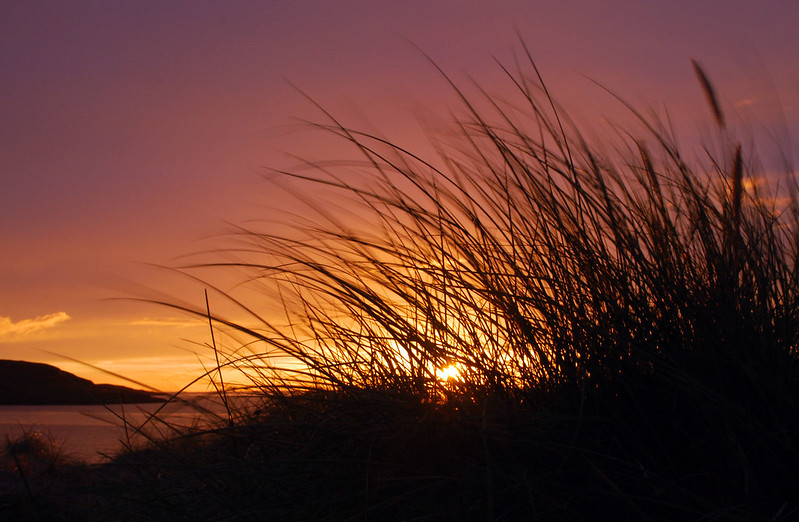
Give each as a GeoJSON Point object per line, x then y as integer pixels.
{"type": "Point", "coordinates": [373, 456]}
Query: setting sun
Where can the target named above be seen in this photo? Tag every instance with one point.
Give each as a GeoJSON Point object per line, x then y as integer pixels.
{"type": "Point", "coordinates": [451, 372]}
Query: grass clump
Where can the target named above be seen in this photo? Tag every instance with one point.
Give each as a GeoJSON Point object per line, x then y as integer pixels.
{"type": "Point", "coordinates": [31, 466]}
{"type": "Point", "coordinates": [620, 323]}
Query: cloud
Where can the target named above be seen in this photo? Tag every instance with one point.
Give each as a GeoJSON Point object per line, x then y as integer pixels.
{"type": "Point", "coordinates": [9, 330]}
{"type": "Point", "coordinates": [147, 321]}
{"type": "Point", "coordinates": [166, 373]}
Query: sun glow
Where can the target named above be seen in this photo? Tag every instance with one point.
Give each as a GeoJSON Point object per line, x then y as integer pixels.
{"type": "Point", "coordinates": [451, 372]}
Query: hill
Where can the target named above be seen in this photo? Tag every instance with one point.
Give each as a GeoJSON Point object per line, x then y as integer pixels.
{"type": "Point", "coordinates": [28, 383]}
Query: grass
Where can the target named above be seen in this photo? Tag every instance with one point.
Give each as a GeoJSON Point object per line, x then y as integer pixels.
{"type": "Point", "coordinates": [31, 464]}
{"type": "Point", "coordinates": [623, 320]}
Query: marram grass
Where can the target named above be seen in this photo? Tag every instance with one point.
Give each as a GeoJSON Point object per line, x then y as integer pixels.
{"type": "Point", "coordinates": [619, 322]}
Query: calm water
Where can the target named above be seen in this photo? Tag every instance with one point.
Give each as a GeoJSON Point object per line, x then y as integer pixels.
{"type": "Point", "coordinates": [88, 432]}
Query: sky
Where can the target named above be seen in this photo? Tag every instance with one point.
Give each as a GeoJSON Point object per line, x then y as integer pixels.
{"type": "Point", "coordinates": [133, 133]}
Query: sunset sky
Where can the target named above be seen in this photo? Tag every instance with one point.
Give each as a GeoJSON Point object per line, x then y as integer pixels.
{"type": "Point", "coordinates": [131, 132]}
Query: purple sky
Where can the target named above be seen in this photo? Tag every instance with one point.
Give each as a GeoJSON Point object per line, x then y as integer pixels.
{"type": "Point", "coordinates": [130, 131]}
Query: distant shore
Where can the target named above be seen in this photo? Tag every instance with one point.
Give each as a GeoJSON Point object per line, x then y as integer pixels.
{"type": "Point", "coordinates": [28, 383]}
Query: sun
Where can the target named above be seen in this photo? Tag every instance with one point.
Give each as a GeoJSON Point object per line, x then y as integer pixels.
{"type": "Point", "coordinates": [449, 373]}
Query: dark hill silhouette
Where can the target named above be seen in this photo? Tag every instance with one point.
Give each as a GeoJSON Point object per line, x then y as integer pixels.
{"type": "Point", "coordinates": [28, 383]}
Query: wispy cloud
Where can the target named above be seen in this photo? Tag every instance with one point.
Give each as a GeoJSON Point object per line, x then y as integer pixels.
{"type": "Point", "coordinates": [163, 322]}
{"type": "Point", "coordinates": [24, 328]}
{"type": "Point", "coordinates": [168, 373]}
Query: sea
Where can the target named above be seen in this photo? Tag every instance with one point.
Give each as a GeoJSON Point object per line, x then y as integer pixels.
{"type": "Point", "coordinates": [95, 433]}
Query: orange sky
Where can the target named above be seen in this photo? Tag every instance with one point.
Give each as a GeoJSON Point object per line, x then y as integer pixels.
{"type": "Point", "coordinates": [132, 131]}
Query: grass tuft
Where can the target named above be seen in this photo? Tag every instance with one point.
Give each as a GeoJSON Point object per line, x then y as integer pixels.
{"type": "Point", "coordinates": [619, 326]}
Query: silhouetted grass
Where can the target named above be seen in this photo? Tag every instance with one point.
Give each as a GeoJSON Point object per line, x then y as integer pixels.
{"type": "Point", "coordinates": [32, 465]}
{"type": "Point", "coordinates": [624, 321]}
